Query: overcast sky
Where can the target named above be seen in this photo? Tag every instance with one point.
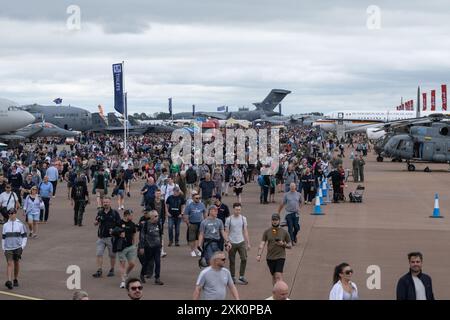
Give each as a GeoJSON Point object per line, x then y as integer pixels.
{"type": "Point", "coordinates": [212, 53]}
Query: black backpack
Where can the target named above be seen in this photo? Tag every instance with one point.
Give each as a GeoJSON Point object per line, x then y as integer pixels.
{"type": "Point", "coordinates": [79, 192]}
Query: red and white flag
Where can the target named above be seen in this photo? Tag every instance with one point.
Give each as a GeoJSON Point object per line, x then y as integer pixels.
{"type": "Point", "coordinates": [424, 102]}
{"type": "Point", "coordinates": [444, 97]}
{"type": "Point", "coordinates": [433, 100]}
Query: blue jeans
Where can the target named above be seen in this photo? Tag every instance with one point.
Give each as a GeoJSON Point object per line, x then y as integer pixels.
{"type": "Point", "coordinates": [292, 220]}
{"type": "Point", "coordinates": [212, 247]}
{"type": "Point", "coordinates": [174, 222]}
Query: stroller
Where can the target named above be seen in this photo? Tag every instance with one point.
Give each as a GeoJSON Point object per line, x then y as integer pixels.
{"type": "Point", "coordinates": [357, 196]}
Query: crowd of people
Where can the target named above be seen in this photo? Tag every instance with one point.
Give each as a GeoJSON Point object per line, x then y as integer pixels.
{"type": "Point", "coordinates": [98, 167]}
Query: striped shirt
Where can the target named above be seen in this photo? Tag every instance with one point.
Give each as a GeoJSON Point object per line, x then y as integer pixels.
{"type": "Point", "coordinates": [14, 235]}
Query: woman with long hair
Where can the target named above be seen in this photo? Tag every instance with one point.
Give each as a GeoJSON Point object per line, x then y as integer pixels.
{"type": "Point", "coordinates": [119, 190]}
{"type": "Point", "coordinates": [32, 208]}
{"type": "Point", "coordinates": [343, 287]}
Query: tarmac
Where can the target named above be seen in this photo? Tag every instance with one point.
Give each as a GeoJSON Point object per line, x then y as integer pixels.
{"type": "Point", "coordinates": [392, 221]}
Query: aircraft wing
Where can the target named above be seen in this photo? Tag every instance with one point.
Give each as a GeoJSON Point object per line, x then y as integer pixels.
{"type": "Point", "coordinates": [395, 124]}
{"type": "Point", "coordinates": [9, 137]}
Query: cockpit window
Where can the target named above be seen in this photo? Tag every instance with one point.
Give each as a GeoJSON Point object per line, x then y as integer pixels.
{"type": "Point", "coordinates": [14, 108]}
{"type": "Point", "coordinates": [404, 144]}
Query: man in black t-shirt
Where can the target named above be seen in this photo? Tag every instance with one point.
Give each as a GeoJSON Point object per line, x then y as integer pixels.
{"type": "Point", "coordinates": [129, 175]}
{"type": "Point", "coordinates": [107, 219]}
{"type": "Point", "coordinates": [174, 208]}
{"type": "Point", "coordinates": [129, 249]}
{"type": "Point", "coordinates": [15, 180]}
{"type": "Point", "coordinates": [207, 187]}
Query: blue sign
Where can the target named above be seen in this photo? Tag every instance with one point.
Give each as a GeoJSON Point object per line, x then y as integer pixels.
{"type": "Point", "coordinates": [118, 87]}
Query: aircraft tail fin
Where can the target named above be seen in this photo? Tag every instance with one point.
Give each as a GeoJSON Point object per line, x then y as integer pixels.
{"type": "Point", "coordinates": [132, 121]}
{"type": "Point", "coordinates": [98, 122]}
{"type": "Point", "coordinates": [113, 121]}
{"type": "Point", "coordinates": [272, 100]}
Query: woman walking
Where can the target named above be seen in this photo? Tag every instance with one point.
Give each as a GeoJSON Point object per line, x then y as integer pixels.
{"type": "Point", "coordinates": [343, 288]}
{"type": "Point", "coordinates": [32, 209]}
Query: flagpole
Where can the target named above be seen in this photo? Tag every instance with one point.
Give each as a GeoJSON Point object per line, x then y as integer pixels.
{"type": "Point", "coordinates": [125, 111]}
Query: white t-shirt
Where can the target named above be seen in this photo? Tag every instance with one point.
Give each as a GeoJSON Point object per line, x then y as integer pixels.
{"type": "Point", "coordinates": [235, 227]}
{"type": "Point", "coordinates": [420, 289]}
{"type": "Point", "coordinates": [4, 197]}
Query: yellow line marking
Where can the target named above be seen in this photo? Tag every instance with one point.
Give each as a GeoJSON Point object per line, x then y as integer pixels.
{"type": "Point", "coordinates": [18, 296]}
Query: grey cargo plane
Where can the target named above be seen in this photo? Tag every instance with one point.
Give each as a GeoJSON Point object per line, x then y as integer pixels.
{"type": "Point", "coordinates": [264, 108]}
{"type": "Point", "coordinates": [65, 117]}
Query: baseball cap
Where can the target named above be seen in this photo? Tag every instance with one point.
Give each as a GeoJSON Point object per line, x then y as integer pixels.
{"type": "Point", "coordinates": [276, 216]}
{"type": "Point", "coordinates": [217, 196]}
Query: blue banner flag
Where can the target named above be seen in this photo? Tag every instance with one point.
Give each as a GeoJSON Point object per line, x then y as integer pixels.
{"type": "Point", "coordinates": [170, 106]}
{"type": "Point", "coordinates": [58, 100]}
{"type": "Point", "coordinates": [222, 108]}
{"type": "Point", "coordinates": [118, 87]}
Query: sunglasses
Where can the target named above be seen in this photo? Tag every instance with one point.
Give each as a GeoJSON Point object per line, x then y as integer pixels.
{"type": "Point", "coordinates": [137, 288]}
{"type": "Point", "coordinates": [348, 272]}
{"type": "Point", "coordinates": [223, 259]}
{"type": "Point", "coordinates": [197, 198]}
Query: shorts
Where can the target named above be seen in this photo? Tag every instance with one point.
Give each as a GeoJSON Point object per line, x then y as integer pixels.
{"type": "Point", "coordinates": [193, 231]}
{"type": "Point", "coordinates": [128, 254]}
{"type": "Point", "coordinates": [13, 255]}
{"type": "Point", "coordinates": [33, 216]}
{"type": "Point", "coordinates": [121, 192]}
{"type": "Point", "coordinates": [100, 193]}
{"type": "Point", "coordinates": [102, 244]}
{"type": "Point", "coordinates": [276, 265]}
{"type": "Point", "coordinates": [207, 202]}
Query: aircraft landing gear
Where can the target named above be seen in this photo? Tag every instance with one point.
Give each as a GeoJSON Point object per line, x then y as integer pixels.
{"type": "Point", "coordinates": [411, 167]}
{"type": "Point", "coordinates": [427, 169]}
{"type": "Point", "coordinates": [380, 159]}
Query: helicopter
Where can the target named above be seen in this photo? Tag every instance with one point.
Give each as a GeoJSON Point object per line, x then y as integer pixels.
{"type": "Point", "coordinates": [428, 144]}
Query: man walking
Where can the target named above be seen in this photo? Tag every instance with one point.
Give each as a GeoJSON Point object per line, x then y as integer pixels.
{"type": "Point", "coordinates": [129, 251]}
{"type": "Point", "coordinates": [53, 176]}
{"type": "Point", "coordinates": [415, 285]}
{"type": "Point", "coordinates": [15, 180]}
{"type": "Point", "coordinates": [107, 219]}
{"type": "Point", "coordinates": [100, 185]}
{"type": "Point", "coordinates": [207, 187]}
{"type": "Point", "coordinates": [14, 240]}
{"type": "Point", "coordinates": [174, 208]}
{"type": "Point", "coordinates": [292, 201]}
{"type": "Point", "coordinates": [237, 232]}
{"type": "Point", "coordinates": [361, 163]}
{"type": "Point", "coordinates": [277, 240]}
{"type": "Point", "coordinates": [290, 176]}
{"type": "Point", "coordinates": [80, 197]}
{"type": "Point", "coordinates": [211, 229]}
{"type": "Point", "coordinates": [45, 192]}
{"type": "Point", "coordinates": [150, 246]}
{"type": "Point", "coordinates": [193, 216]}
{"type": "Point", "coordinates": [213, 281]}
